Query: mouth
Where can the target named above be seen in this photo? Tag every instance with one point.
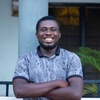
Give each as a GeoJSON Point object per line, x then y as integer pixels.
{"type": "Point", "coordinates": [48, 40]}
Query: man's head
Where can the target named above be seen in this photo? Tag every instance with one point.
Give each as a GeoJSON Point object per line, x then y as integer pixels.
{"type": "Point", "coordinates": [48, 32]}
{"type": "Point", "coordinates": [47, 18]}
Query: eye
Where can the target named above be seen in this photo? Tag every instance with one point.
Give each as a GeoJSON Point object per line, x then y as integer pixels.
{"type": "Point", "coordinates": [43, 29]}
{"type": "Point", "coordinates": [53, 29]}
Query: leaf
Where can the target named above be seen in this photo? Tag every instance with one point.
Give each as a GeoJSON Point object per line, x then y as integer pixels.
{"type": "Point", "coordinates": [93, 88]}
{"type": "Point", "coordinates": [89, 57]}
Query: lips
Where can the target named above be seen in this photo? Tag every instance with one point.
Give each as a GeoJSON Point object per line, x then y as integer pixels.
{"type": "Point", "coordinates": [48, 39]}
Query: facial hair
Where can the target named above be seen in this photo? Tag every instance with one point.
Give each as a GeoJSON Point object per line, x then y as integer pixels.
{"type": "Point", "coordinates": [48, 47]}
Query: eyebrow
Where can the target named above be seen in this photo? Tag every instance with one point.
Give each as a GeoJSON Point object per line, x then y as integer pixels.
{"type": "Point", "coordinates": [49, 28]}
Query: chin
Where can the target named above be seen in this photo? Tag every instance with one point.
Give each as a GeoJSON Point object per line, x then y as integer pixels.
{"type": "Point", "coordinates": [48, 47]}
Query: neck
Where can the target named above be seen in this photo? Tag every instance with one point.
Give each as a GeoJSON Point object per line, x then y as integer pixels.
{"type": "Point", "coordinates": [48, 53]}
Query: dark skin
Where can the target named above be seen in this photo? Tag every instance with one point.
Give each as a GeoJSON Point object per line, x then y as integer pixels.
{"type": "Point", "coordinates": [48, 34]}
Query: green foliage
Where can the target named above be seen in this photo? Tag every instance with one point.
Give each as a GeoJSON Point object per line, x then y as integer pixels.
{"type": "Point", "coordinates": [90, 89]}
{"type": "Point", "coordinates": [90, 57]}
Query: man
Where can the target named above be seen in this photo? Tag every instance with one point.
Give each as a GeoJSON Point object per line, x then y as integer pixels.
{"type": "Point", "coordinates": [49, 72]}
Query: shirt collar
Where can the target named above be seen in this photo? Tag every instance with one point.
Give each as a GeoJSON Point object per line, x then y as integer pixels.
{"type": "Point", "coordinates": [57, 52]}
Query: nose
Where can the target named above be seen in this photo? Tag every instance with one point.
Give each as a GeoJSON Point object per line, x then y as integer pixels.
{"type": "Point", "coordinates": [48, 32]}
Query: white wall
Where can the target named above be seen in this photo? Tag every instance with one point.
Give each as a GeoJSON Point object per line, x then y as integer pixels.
{"type": "Point", "coordinates": [8, 41]}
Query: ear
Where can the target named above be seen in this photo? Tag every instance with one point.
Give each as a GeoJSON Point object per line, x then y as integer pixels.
{"type": "Point", "coordinates": [36, 34]}
{"type": "Point", "coordinates": [59, 34]}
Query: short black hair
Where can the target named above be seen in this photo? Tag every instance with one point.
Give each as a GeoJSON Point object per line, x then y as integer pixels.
{"type": "Point", "coordinates": [47, 18]}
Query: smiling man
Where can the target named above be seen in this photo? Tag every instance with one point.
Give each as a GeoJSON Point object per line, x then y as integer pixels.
{"type": "Point", "coordinates": [49, 72]}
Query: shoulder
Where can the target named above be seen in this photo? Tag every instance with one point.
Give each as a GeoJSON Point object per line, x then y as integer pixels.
{"type": "Point", "coordinates": [28, 56]}
{"type": "Point", "coordinates": [68, 53]}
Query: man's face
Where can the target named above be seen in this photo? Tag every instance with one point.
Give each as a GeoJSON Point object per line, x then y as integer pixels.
{"type": "Point", "coordinates": [48, 34]}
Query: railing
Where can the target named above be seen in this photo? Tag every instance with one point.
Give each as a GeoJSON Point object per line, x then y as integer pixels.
{"type": "Point", "coordinates": [8, 83]}
{"type": "Point", "coordinates": [94, 82]}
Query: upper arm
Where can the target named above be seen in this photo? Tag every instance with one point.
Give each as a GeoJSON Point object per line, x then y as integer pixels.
{"type": "Point", "coordinates": [74, 68]}
{"type": "Point", "coordinates": [21, 69]}
{"type": "Point", "coordinates": [75, 74]}
{"type": "Point", "coordinates": [18, 84]}
{"type": "Point", "coordinates": [21, 75]}
{"type": "Point", "coordinates": [76, 83]}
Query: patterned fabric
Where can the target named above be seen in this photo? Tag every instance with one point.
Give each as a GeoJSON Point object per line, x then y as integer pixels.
{"type": "Point", "coordinates": [35, 67]}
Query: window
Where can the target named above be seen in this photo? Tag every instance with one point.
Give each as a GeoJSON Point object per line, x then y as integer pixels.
{"type": "Point", "coordinates": [70, 26]}
{"type": "Point", "coordinates": [80, 26]}
{"type": "Point", "coordinates": [92, 27]}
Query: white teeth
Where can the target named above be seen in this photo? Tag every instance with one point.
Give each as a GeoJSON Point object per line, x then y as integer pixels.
{"type": "Point", "coordinates": [48, 39]}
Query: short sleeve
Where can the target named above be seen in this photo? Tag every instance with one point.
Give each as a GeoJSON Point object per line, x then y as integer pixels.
{"type": "Point", "coordinates": [21, 68]}
{"type": "Point", "coordinates": [75, 67]}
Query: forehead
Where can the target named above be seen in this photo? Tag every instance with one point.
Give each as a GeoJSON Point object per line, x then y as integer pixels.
{"type": "Point", "coordinates": [49, 23]}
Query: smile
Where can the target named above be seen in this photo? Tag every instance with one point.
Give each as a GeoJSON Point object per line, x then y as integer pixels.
{"type": "Point", "coordinates": [48, 39]}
